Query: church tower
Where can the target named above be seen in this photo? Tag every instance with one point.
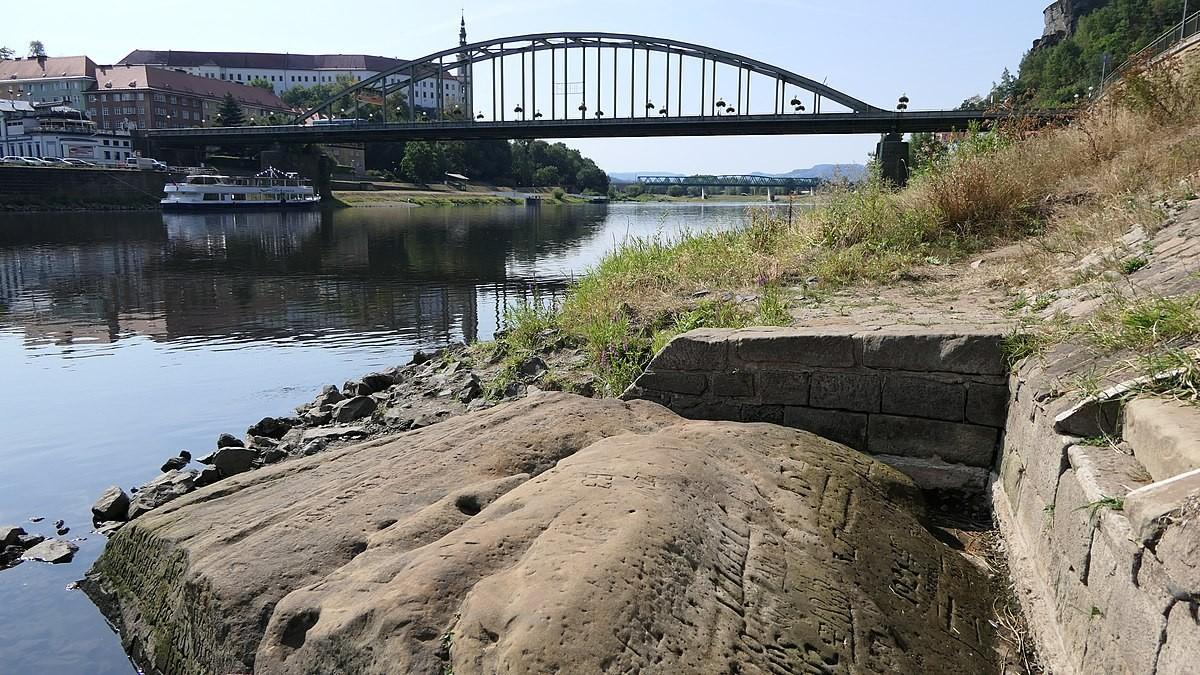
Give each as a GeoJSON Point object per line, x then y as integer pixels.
{"type": "Point", "coordinates": [464, 71]}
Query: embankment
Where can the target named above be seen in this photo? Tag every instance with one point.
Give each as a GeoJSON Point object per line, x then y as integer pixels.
{"type": "Point", "coordinates": [27, 188]}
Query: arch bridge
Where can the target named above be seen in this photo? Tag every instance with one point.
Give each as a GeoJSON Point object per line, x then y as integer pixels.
{"type": "Point", "coordinates": [787, 182]}
{"type": "Point", "coordinates": [574, 85]}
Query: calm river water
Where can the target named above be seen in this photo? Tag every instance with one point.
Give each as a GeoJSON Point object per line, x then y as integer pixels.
{"type": "Point", "coordinates": [126, 337]}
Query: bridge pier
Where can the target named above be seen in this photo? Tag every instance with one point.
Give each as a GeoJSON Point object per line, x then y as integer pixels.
{"type": "Point", "coordinates": [892, 155]}
{"type": "Point", "coordinates": [309, 162]}
{"type": "Point", "coordinates": [770, 194]}
{"type": "Point", "coordinates": [703, 192]}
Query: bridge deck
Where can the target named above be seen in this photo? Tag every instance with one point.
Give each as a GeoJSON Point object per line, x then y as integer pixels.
{"type": "Point", "coordinates": [739, 125]}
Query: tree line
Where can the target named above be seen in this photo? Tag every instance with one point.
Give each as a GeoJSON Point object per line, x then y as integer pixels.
{"type": "Point", "coordinates": [1055, 74]}
{"type": "Point", "coordinates": [523, 163]}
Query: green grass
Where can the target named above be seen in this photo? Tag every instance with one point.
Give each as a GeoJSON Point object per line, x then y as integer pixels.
{"type": "Point", "coordinates": [1143, 323]}
{"type": "Point", "coordinates": [1131, 265]}
{"type": "Point", "coordinates": [1094, 508]}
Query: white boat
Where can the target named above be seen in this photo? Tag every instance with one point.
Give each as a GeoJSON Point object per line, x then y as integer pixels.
{"type": "Point", "coordinates": [269, 189]}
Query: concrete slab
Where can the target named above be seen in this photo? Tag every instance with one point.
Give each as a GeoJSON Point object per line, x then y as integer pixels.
{"type": "Point", "coordinates": [1147, 505]}
{"type": "Point", "coordinates": [1165, 435]}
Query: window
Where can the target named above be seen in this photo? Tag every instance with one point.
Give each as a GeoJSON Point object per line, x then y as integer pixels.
{"type": "Point", "coordinates": [107, 154]}
{"type": "Point", "coordinates": [212, 197]}
{"type": "Point", "coordinates": [174, 100]}
{"type": "Point", "coordinates": [141, 96]}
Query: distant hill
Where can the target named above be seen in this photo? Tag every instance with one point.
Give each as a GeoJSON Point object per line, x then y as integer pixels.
{"type": "Point", "coordinates": [851, 172]}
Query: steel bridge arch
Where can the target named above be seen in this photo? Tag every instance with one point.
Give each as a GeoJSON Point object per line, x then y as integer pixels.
{"type": "Point", "coordinates": [436, 64]}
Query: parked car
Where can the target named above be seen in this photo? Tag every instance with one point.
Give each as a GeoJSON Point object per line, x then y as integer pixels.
{"type": "Point", "coordinates": [13, 159]}
{"type": "Point", "coordinates": [36, 161]}
{"type": "Point", "coordinates": [147, 163]}
{"type": "Point", "coordinates": [56, 161]}
{"type": "Point", "coordinates": [77, 162]}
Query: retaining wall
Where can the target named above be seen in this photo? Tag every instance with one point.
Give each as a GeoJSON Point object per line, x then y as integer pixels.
{"type": "Point", "coordinates": [52, 187]}
{"type": "Point", "coordinates": [929, 402]}
{"type": "Point", "coordinates": [1105, 594]}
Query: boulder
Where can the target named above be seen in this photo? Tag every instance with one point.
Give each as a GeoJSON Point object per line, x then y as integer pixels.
{"type": "Point", "coordinates": [51, 551]}
{"type": "Point", "coordinates": [9, 534]}
{"type": "Point", "coordinates": [167, 487]}
{"type": "Point", "coordinates": [532, 368]}
{"type": "Point", "coordinates": [354, 409]}
{"type": "Point", "coordinates": [113, 505]}
{"type": "Point", "coordinates": [354, 388]}
{"type": "Point", "coordinates": [471, 390]}
{"type": "Point", "coordinates": [30, 540]}
{"type": "Point", "coordinates": [231, 461]}
{"type": "Point", "coordinates": [553, 534]}
{"type": "Point", "coordinates": [229, 441]}
{"type": "Point", "coordinates": [328, 396]}
{"type": "Point", "coordinates": [208, 475]}
{"type": "Point", "coordinates": [272, 427]}
{"type": "Point", "coordinates": [261, 442]}
{"type": "Point", "coordinates": [377, 382]}
{"type": "Point", "coordinates": [176, 463]}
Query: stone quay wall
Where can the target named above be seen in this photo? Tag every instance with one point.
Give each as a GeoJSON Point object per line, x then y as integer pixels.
{"type": "Point", "coordinates": [52, 187]}
{"type": "Point", "coordinates": [931, 403]}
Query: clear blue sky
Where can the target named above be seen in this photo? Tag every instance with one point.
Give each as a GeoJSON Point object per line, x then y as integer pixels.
{"type": "Point", "coordinates": [939, 52]}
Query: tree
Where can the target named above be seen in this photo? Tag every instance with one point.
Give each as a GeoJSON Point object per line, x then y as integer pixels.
{"type": "Point", "coordinates": [37, 49]}
{"type": "Point", "coordinates": [262, 83]}
{"type": "Point", "coordinates": [546, 176]}
{"type": "Point", "coordinates": [924, 150]}
{"type": "Point", "coordinates": [422, 161]}
{"type": "Point", "coordinates": [230, 113]}
{"type": "Point", "coordinates": [5, 53]}
{"type": "Point", "coordinates": [676, 191]}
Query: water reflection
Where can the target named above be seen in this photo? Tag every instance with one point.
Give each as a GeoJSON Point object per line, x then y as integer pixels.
{"type": "Point", "coordinates": [270, 275]}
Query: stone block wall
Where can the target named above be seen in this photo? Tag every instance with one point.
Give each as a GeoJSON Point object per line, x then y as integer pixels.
{"type": "Point", "coordinates": [52, 187]}
{"type": "Point", "coordinates": [929, 402]}
{"type": "Point", "coordinates": [1102, 595]}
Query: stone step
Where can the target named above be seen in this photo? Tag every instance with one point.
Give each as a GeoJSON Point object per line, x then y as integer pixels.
{"type": "Point", "coordinates": [1164, 434]}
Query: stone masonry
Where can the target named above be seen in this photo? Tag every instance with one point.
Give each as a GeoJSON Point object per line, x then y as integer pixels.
{"type": "Point", "coordinates": [929, 402]}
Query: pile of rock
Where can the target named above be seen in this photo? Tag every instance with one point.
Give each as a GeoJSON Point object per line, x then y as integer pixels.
{"type": "Point", "coordinates": [17, 546]}
{"type": "Point", "coordinates": [429, 389]}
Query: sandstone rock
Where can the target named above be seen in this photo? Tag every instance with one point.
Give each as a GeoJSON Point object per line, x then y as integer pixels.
{"type": "Point", "coordinates": [354, 409]}
{"type": "Point", "coordinates": [165, 488]}
{"type": "Point", "coordinates": [333, 433]}
{"type": "Point", "coordinates": [552, 534]}
{"type": "Point", "coordinates": [229, 441]}
{"type": "Point", "coordinates": [51, 551]}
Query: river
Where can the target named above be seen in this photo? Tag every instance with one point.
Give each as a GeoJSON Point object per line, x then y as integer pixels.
{"type": "Point", "coordinates": [125, 337]}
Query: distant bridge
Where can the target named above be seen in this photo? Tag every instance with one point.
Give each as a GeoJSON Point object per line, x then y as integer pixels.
{"type": "Point", "coordinates": [731, 181]}
{"type": "Point", "coordinates": [579, 85]}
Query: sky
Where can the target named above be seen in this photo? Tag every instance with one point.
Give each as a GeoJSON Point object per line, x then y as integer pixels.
{"type": "Point", "coordinates": [938, 52]}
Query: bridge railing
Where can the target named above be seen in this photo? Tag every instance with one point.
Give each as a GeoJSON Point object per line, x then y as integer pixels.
{"type": "Point", "coordinates": [1164, 43]}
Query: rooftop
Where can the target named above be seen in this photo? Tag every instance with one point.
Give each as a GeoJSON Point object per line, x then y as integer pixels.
{"type": "Point", "coordinates": [47, 67]}
{"type": "Point", "coordinates": [260, 60]}
{"type": "Point", "coordinates": [117, 78]}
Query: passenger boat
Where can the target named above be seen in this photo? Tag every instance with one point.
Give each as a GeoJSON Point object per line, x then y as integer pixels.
{"type": "Point", "coordinates": [268, 189]}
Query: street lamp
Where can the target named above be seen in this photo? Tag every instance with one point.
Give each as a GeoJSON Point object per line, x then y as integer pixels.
{"type": "Point", "coordinates": [537, 115]}
{"type": "Point", "coordinates": [902, 104]}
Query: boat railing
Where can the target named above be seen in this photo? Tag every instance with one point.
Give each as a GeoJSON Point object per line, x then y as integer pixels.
{"type": "Point", "coordinates": [238, 181]}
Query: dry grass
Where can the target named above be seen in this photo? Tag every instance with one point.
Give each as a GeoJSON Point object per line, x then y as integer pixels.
{"type": "Point", "coordinates": [1063, 191]}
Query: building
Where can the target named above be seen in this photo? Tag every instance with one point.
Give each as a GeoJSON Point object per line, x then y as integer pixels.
{"type": "Point", "coordinates": [286, 71]}
{"type": "Point", "coordinates": [53, 130]}
{"type": "Point", "coordinates": [48, 79]}
{"type": "Point", "coordinates": [143, 97]}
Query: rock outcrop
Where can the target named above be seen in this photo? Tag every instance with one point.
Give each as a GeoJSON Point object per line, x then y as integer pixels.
{"type": "Point", "coordinates": [551, 534]}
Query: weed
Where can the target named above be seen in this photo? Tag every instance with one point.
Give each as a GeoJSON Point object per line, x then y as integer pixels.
{"type": "Point", "coordinates": [1094, 508]}
{"type": "Point", "coordinates": [1018, 346]}
{"type": "Point", "coordinates": [1131, 265]}
{"type": "Point", "coordinates": [1143, 323]}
